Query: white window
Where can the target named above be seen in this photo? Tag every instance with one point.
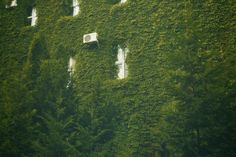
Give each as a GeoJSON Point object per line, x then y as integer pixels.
{"type": "Point", "coordinates": [123, 1]}
{"type": "Point", "coordinates": [71, 65]}
{"type": "Point", "coordinates": [33, 17]}
{"type": "Point", "coordinates": [121, 62]}
{"type": "Point", "coordinates": [13, 4]}
{"type": "Point", "coordinates": [76, 8]}
{"type": "Point", "coordinates": [71, 70]}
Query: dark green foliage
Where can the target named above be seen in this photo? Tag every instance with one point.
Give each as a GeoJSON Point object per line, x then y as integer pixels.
{"type": "Point", "coordinates": [178, 100]}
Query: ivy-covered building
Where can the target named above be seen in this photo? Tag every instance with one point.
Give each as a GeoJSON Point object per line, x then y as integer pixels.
{"type": "Point", "coordinates": [117, 78]}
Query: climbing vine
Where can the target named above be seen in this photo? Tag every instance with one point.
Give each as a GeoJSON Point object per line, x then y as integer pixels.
{"type": "Point", "coordinates": [178, 99]}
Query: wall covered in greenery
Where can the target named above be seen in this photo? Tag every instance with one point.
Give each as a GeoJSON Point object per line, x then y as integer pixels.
{"type": "Point", "coordinates": [177, 101]}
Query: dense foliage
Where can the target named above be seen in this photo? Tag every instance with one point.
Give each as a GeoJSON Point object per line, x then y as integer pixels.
{"type": "Point", "coordinates": [179, 99]}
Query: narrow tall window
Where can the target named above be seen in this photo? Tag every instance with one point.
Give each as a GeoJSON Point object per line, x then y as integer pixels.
{"type": "Point", "coordinates": [76, 8]}
{"type": "Point", "coordinates": [71, 65]}
{"type": "Point", "coordinates": [121, 62]}
{"type": "Point", "coordinates": [71, 70]}
{"type": "Point", "coordinates": [13, 4]}
{"type": "Point", "coordinates": [33, 17]}
{"type": "Point", "coordinates": [123, 1]}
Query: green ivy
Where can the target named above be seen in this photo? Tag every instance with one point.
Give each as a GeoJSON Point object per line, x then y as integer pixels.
{"type": "Point", "coordinates": [178, 99]}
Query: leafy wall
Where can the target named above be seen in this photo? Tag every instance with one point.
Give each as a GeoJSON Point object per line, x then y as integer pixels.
{"type": "Point", "coordinates": [181, 79]}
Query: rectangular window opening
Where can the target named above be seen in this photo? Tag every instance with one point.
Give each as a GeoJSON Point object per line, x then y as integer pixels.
{"type": "Point", "coordinates": [76, 8]}
{"type": "Point", "coordinates": [71, 65]}
{"type": "Point", "coordinates": [33, 18]}
{"type": "Point", "coordinates": [71, 70]}
{"type": "Point", "coordinates": [13, 4]}
{"type": "Point", "coordinates": [123, 1]}
{"type": "Point", "coordinates": [121, 62]}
